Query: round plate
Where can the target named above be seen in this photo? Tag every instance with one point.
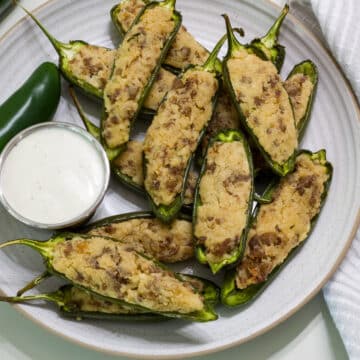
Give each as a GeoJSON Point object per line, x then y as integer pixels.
{"type": "Point", "coordinates": [334, 126]}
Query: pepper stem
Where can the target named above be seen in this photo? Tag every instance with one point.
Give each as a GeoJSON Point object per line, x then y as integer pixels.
{"type": "Point", "coordinates": [212, 63]}
{"type": "Point", "coordinates": [234, 44]}
{"type": "Point", "coordinates": [59, 46]}
{"type": "Point", "coordinates": [90, 126]}
{"type": "Point", "coordinates": [170, 4]}
{"type": "Point", "coordinates": [56, 297]}
{"type": "Point", "coordinates": [270, 39]}
{"type": "Point", "coordinates": [34, 283]}
{"type": "Point", "coordinates": [41, 247]}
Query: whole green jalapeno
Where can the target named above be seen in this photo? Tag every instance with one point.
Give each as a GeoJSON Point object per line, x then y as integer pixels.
{"type": "Point", "coordinates": [34, 102]}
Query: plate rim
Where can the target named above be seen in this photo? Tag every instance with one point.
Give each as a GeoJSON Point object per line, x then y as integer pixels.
{"type": "Point", "coordinates": [262, 331]}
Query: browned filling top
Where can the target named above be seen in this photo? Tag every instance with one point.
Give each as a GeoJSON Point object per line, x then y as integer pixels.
{"type": "Point", "coordinates": [224, 117]}
{"type": "Point", "coordinates": [88, 302]}
{"type": "Point", "coordinates": [130, 162]}
{"type": "Point", "coordinates": [184, 51]}
{"type": "Point", "coordinates": [92, 65]}
{"type": "Point", "coordinates": [284, 223]}
{"type": "Point", "coordinates": [114, 270]}
{"type": "Point", "coordinates": [135, 62]}
{"type": "Point", "coordinates": [165, 242]}
{"type": "Point", "coordinates": [299, 87]}
{"type": "Point", "coordinates": [127, 11]}
{"type": "Point", "coordinates": [174, 133]}
{"type": "Point", "coordinates": [224, 191]}
{"type": "Point", "coordinates": [265, 104]}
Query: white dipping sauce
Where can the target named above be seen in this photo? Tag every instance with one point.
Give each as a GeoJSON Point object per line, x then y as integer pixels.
{"type": "Point", "coordinates": [52, 175]}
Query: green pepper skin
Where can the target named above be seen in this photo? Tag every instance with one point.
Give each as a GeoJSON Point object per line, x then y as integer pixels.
{"type": "Point", "coordinates": [279, 169]}
{"type": "Point", "coordinates": [230, 295]}
{"type": "Point", "coordinates": [34, 102]}
{"type": "Point", "coordinates": [200, 251]}
{"type": "Point", "coordinates": [45, 249]}
{"type": "Point", "coordinates": [168, 212]}
{"type": "Point", "coordinates": [269, 45]}
{"type": "Point", "coordinates": [177, 23]}
{"type": "Point", "coordinates": [308, 68]}
{"type": "Point", "coordinates": [4, 6]}
{"type": "Point", "coordinates": [66, 52]}
{"type": "Point", "coordinates": [69, 308]}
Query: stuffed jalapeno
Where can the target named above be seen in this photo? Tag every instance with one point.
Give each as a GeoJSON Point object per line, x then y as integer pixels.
{"type": "Point", "coordinates": [136, 65]}
{"type": "Point", "coordinates": [89, 68]}
{"type": "Point", "coordinates": [164, 242]}
{"type": "Point", "coordinates": [223, 200]}
{"type": "Point", "coordinates": [78, 303]}
{"type": "Point", "coordinates": [279, 227]}
{"type": "Point", "coordinates": [184, 51]}
{"type": "Point", "coordinates": [128, 166]}
{"type": "Point", "coordinates": [113, 271]}
{"type": "Point", "coordinates": [175, 133]}
{"type": "Point", "coordinates": [301, 86]}
{"type": "Point", "coordinates": [262, 103]}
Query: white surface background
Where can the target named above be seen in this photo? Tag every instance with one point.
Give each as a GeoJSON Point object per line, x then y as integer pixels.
{"type": "Point", "coordinates": [308, 334]}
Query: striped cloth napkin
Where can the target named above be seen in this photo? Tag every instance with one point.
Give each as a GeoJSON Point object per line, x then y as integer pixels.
{"type": "Point", "coordinates": [337, 23]}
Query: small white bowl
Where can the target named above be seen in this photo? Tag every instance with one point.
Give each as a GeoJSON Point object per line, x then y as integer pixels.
{"type": "Point", "coordinates": [81, 216]}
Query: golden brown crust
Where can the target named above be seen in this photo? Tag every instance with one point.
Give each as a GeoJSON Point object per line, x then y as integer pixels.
{"type": "Point", "coordinates": [113, 270]}
{"type": "Point", "coordinates": [264, 103]}
{"type": "Point", "coordinates": [224, 193]}
{"type": "Point", "coordinates": [284, 223]}
{"type": "Point", "coordinates": [92, 64]}
{"type": "Point", "coordinates": [165, 242]}
{"type": "Point", "coordinates": [174, 132]}
{"type": "Point", "coordinates": [184, 51]}
{"type": "Point", "coordinates": [130, 162]}
{"type": "Point", "coordinates": [299, 87]}
{"type": "Point", "coordinates": [135, 62]}
{"type": "Point", "coordinates": [86, 302]}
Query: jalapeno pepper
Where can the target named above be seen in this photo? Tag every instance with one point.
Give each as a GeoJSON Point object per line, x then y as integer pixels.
{"type": "Point", "coordinates": [135, 71]}
{"type": "Point", "coordinates": [175, 133]}
{"type": "Point", "coordinates": [4, 6]}
{"type": "Point", "coordinates": [87, 66]}
{"type": "Point", "coordinates": [266, 112]}
{"type": "Point", "coordinates": [77, 303]}
{"type": "Point", "coordinates": [34, 102]}
{"type": "Point", "coordinates": [128, 166]}
{"type": "Point", "coordinates": [119, 281]}
{"type": "Point", "coordinates": [169, 243]}
{"type": "Point", "coordinates": [301, 85]}
{"type": "Point", "coordinates": [184, 51]}
{"type": "Point", "coordinates": [223, 200]}
{"type": "Point", "coordinates": [280, 228]}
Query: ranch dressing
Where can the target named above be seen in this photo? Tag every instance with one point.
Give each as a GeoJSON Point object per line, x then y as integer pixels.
{"type": "Point", "coordinates": [52, 175]}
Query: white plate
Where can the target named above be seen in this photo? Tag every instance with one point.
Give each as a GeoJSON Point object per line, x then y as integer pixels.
{"type": "Point", "coordinates": [334, 126]}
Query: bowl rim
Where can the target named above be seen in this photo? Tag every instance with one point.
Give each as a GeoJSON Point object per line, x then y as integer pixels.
{"type": "Point", "coordinates": [84, 215]}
